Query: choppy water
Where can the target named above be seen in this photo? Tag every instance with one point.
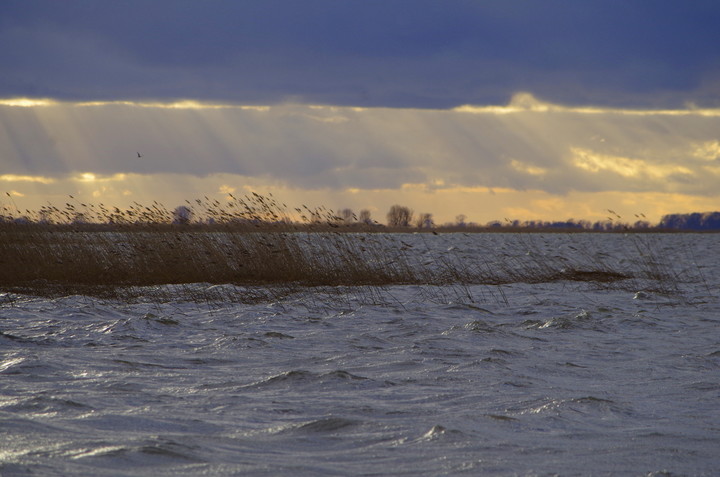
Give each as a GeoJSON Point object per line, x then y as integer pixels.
{"type": "Point", "coordinates": [530, 379]}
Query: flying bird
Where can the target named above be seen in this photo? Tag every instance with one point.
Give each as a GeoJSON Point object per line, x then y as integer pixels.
{"type": "Point", "coordinates": [139, 155]}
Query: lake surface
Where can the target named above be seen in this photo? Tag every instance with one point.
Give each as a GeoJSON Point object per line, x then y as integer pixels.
{"type": "Point", "coordinates": [563, 377]}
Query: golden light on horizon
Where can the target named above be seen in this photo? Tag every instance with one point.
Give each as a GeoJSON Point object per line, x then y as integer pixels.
{"type": "Point", "coordinates": [21, 178]}
{"type": "Point", "coordinates": [526, 102]}
{"type": "Point", "coordinates": [93, 177]}
{"type": "Point", "coordinates": [27, 102]}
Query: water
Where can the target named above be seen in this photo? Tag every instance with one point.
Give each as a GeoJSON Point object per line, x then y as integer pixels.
{"type": "Point", "coordinates": [527, 379]}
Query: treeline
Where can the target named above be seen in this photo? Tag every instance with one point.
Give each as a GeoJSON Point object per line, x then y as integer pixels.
{"type": "Point", "coordinates": [400, 216]}
{"type": "Point", "coordinates": [257, 210]}
{"type": "Point", "coordinates": [696, 221]}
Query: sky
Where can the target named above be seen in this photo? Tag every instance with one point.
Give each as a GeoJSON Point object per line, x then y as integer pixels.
{"type": "Point", "coordinates": [529, 110]}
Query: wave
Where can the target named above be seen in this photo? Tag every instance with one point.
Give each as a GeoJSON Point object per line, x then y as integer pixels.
{"type": "Point", "coordinates": [303, 377]}
{"type": "Point", "coordinates": [329, 424]}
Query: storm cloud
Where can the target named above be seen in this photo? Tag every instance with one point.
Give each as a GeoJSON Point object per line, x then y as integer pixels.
{"type": "Point", "coordinates": [417, 54]}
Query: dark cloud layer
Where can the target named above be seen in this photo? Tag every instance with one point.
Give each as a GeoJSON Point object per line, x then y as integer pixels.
{"type": "Point", "coordinates": [413, 53]}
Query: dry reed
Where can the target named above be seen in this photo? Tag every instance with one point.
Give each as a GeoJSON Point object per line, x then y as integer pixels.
{"type": "Point", "coordinates": [262, 251]}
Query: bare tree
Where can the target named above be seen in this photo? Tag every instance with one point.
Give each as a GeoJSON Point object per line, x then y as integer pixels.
{"type": "Point", "coordinates": [364, 217]}
{"type": "Point", "coordinates": [348, 216]}
{"type": "Point", "coordinates": [182, 215]}
{"type": "Point", "coordinates": [425, 221]}
{"type": "Point", "coordinates": [399, 216]}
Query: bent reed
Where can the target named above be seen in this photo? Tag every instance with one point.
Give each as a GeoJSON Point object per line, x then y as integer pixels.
{"type": "Point", "coordinates": [261, 251]}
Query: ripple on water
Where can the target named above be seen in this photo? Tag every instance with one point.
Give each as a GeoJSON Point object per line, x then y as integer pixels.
{"type": "Point", "coordinates": [572, 412]}
{"type": "Point", "coordinates": [308, 379]}
{"type": "Point", "coordinates": [148, 453]}
{"type": "Point", "coordinates": [46, 405]}
{"type": "Point", "coordinates": [326, 425]}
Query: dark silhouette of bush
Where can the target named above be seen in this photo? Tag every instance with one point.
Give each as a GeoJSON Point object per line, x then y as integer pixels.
{"type": "Point", "coordinates": [693, 221]}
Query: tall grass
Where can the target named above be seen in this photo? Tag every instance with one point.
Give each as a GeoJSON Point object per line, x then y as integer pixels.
{"type": "Point", "coordinates": [261, 251]}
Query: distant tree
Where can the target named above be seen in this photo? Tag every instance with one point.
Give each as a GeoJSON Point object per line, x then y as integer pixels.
{"type": "Point", "coordinates": [182, 215]}
{"type": "Point", "coordinates": [568, 224]}
{"type": "Point", "coordinates": [460, 220]}
{"type": "Point", "coordinates": [425, 221]}
{"type": "Point", "coordinates": [364, 217]}
{"type": "Point", "coordinates": [712, 220]}
{"type": "Point", "coordinates": [694, 221]}
{"type": "Point", "coordinates": [672, 221]}
{"type": "Point", "coordinates": [399, 216]}
{"type": "Point", "coordinates": [348, 216]}
{"type": "Point", "coordinates": [603, 225]}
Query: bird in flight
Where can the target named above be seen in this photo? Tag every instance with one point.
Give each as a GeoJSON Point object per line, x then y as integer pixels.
{"type": "Point", "coordinates": [139, 155]}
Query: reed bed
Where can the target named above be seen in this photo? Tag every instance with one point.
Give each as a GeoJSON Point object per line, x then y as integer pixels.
{"type": "Point", "coordinates": [254, 249]}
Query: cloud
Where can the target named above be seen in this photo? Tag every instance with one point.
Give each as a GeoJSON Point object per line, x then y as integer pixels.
{"type": "Point", "coordinates": [527, 168]}
{"type": "Point", "coordinates": [526, 145]}
{"type": "Point", "coordinates": [624, 166]}
{"type": "Point", "coordinates": [18, 178]}
{"type": "Point", "coordinates": [414, 53]}
{"type": "Point", "coordinates": [95, 178]}
{"type": "Point", "coordinates": [707, 151]}
{"type": "Point", "coordinates": [458, 107]}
